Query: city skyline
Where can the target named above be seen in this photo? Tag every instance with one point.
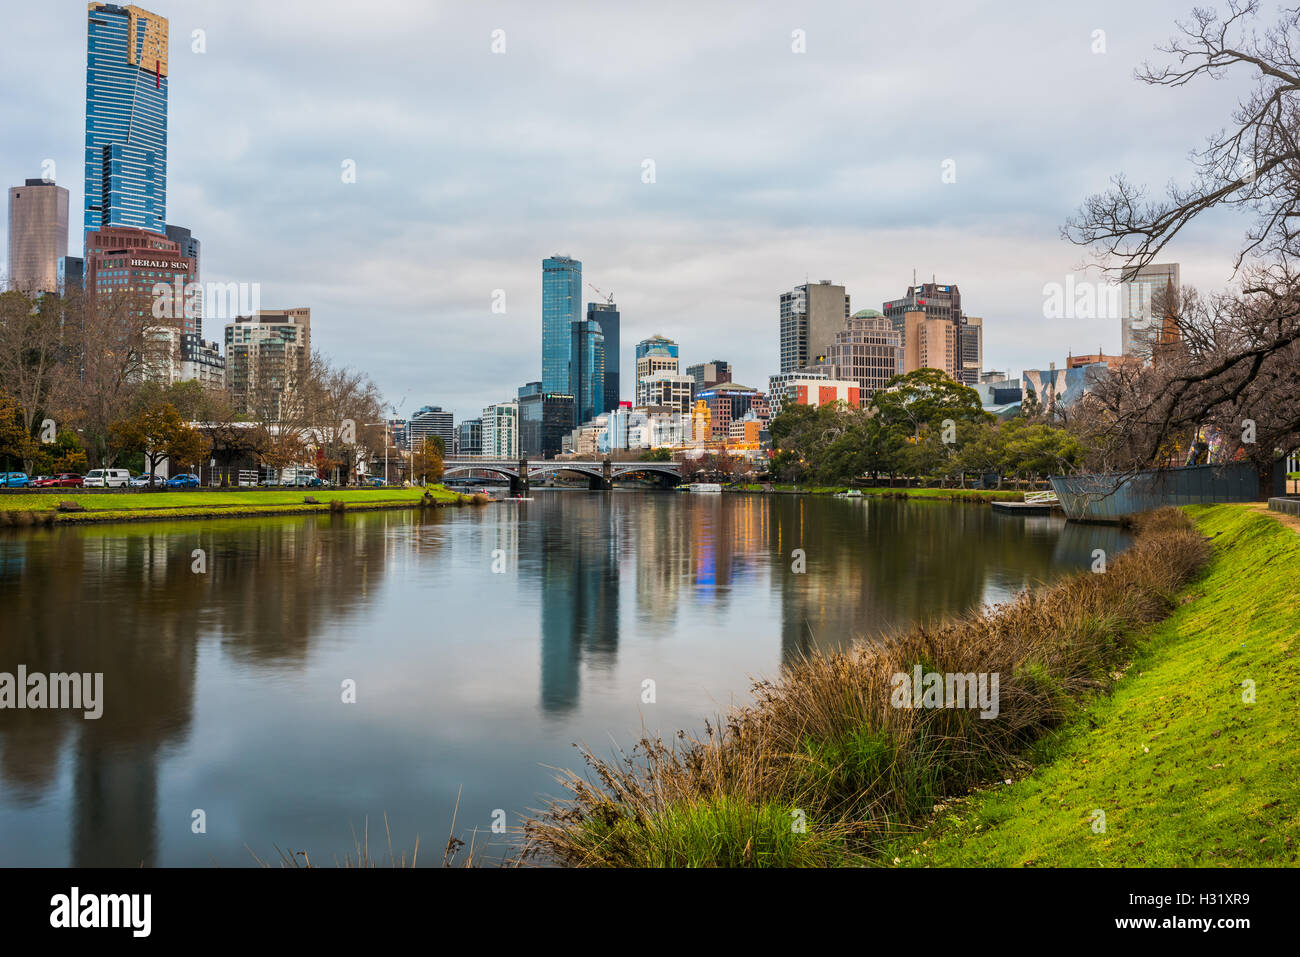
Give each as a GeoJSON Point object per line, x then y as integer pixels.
{"type": "Point", "coordinates": [417, 246]}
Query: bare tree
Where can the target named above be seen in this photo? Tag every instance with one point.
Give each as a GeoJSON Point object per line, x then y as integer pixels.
{"type": "Point", "coordinates": [1232, 362]}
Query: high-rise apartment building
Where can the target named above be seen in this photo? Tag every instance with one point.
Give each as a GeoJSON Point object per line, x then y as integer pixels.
{"type": "Point", "coordinates": [501, 430]}
{"type": "Point", "coordinates": [561, 307]}
{"type": "Point", "coordinates": [1147, 303]}
{"type": "Point", "coordinates": [867, 351]}
{"type": "Point", "coordinates": [586, 369]}
{"type": "Point", "coordinates": [126, 118]}
{"type": "Point", "coordinates": [267, 356]}
{"type": "Point", "coordinates": [38, 235]}
{"type": "Point", "coordinates": [606, 314]}
{"type": "Point", "coordinates": [708, 374]}
{"type": "Point", "coordinates": [432, 420]}
{"type": "Point", "coordinates": [811, 314]}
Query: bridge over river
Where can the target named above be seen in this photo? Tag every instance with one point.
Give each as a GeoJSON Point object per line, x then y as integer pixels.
{"type": "Point", "coordinates": [600, 473]}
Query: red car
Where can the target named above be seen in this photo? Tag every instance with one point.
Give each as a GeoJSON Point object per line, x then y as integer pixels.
{"type": "Point", "coordinates": [66, 480]}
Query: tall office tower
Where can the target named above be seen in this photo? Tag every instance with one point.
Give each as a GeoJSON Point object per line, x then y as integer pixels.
{"type": "Point", "coordinates": [430, 421]}
{"type": "Point", "coordinates": [811, 314]}
{"type": "Point", "coordinates": [972, 349]}
{"type": "Point", "coordinates": [469, 437]}
{"type": "Point", "coordinates": [267, 354]}
{"type": "Point", "coordinates": [653, 356]}
{"type": "Point", "coordinates": [867, 351]}
{"type": "Point", "coordinates": [669, 390]}
{"type": "Point", "coordinates": [126, 118]}
{"type": "Point", "coordinates": [710, 373]}
{"type": "Point", "coordinates": [1147, 308]}
{"type": "Point", "coordinates": [38, 235]}
{"type": "Point", "coordinates": [586, 369]}
{"type": "Point", "coordinates": [501, 430]}
{"type": "Point", "coordinates": [561, 306]}
{"type": "Point", "coordinates": [606, 314]}
{"type": "Point", "coordinates": [916, 316]}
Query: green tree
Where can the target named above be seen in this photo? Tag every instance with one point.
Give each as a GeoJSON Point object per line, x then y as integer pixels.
{"type": "Point", "coordinates": [158, 431]}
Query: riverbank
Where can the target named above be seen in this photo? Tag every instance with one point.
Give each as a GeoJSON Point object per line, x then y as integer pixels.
{"type": "Point", "coordinates": [945, 494]}
{"type": "Point", "coordinates": [831, 766]}
{"type": "Point", "coordinates": [1185, 770]}
{"type": "Point", "coordinates": [45, 508]}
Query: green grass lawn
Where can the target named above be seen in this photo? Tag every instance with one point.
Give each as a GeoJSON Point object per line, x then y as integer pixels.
{"type": "Point", "coordinates": [204, 502]}
{"type": "Point", "coordinates": [1186, 772]}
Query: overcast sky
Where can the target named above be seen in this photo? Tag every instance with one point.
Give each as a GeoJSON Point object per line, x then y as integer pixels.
{"type": "Point", "coordinates": [771, 167]}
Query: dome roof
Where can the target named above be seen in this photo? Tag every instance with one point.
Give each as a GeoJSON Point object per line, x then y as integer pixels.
{"type": "Point", "coordinates": [867, 314]}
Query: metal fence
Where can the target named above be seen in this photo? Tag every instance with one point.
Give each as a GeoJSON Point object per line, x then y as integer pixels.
{"type": "Point", "coordinates": [1110, 497]}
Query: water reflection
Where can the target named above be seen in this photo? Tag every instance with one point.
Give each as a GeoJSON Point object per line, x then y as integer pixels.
{"type": "Point", "coordinates": [483, 642]}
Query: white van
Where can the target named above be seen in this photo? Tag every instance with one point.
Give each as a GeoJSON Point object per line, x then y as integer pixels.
{"type": "Point", "coordinates": [107, 478]}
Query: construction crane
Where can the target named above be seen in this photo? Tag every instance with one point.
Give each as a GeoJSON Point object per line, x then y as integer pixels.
{"type": "Point", "coordinates": [609, 299]}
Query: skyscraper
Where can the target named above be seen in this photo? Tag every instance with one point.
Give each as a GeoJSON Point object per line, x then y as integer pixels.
{"type": "Point", "coordinates": [561, 306]}
{"type": "Point", "coordinates": [586, 369]}
{"type": "Point", "coordinates": [972, 349]}
{"type": "Point", "coordinates": [811, 314]}
{"type": "Point", "coordinates": [653, 356]}
{"type": "Point", "coordinates": [867, 352]}
{"type": "Point", "coordinates": [38, 235]}
{"type": "Point", "coordinates": [430, 421]}
{"type": "Point", "coordinates": [126, 118]}
{"type": "Point", "coordinates": [606, 313]}
{"type": "Point", "coordinates": [930, 320]}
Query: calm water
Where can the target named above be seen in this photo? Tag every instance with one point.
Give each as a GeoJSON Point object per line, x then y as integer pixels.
{"type": "Point", "coordinates": [223, 690]}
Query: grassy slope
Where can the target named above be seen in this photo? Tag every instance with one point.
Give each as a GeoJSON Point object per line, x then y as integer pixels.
{"type": "Point", "coordinates": [1186, 773]}
{"type": "Point", "coordinates": [202, 502]}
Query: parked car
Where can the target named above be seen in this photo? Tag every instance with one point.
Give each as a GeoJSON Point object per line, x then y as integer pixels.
{"type": "Point", "coordinates": [14, 480]}
{"type": "Point", "coordinates": [64, 480]}
{"type": "Point", "coordinates": [184, 480]}
{"type": "Point", "coordinates": [145, 480]}
{"type": "Point", "coordinates": [37, 479]}
{"type": "Point", "coordinates": [107, 478]}
{"type": "Point", "coordinates": [376, 482]}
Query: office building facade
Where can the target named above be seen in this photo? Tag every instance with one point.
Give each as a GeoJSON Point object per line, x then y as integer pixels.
{"type": "Point", "coordinates": [972, 349]}
{"type": "Point", "coordinates": [126, 118]}
{"type": "Point", "coordinates": [124, 268]}
{"type": "Point", "coordinates": [810, 314]}
{"type": "Point", "coordinates": [38, 235]}
{"type": "Point", "coordinates": [606, 315]}
{"type": "Point", "coordinates": [545, 418]}
{"type": "Point", "coordinates": [669, 390]}
{"type": "Point", "coordinates": [709, 374]}
{"type": "Point", "coordinates": [654, 356]}
{"type": "Point", "coordinates": [561, 307]}
{"type": "Point", "coordinates": [469, 437]}
{"type": "Point", "coordinates": [919, 317]}
{"type": "Point", "coordinates": [586, 369]}
{"type": "Point", "coordinates": [867, 352]}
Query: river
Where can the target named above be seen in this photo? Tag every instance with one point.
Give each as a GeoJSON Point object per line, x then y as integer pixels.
{"type": "Point", "coordinates": [478, 645]}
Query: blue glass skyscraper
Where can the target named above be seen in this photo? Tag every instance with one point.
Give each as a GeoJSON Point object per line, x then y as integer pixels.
{"type": "Point", "coordinates": [586, 369]}
{"type": "Point", "coordinates": [561, 307]}
{"type": "Point", "coordinates": [126, 118]}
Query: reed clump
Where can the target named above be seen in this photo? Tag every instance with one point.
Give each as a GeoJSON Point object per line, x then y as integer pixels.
{"type": "Point", "coordinates": [825, 766]}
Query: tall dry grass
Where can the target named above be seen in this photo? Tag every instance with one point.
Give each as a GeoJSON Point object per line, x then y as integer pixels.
{"type": "Point", "coordinates": [823, 744]}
